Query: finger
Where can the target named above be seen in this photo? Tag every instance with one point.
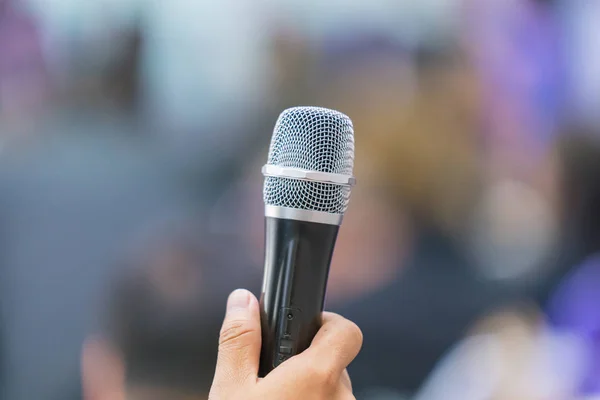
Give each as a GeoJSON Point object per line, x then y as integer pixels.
{"type": "Point", "coordinates": [344, 394]}
{"type": "Point", "coordinates": [335, 346]}
{"type": "Point", "coordinates": [239, 341]}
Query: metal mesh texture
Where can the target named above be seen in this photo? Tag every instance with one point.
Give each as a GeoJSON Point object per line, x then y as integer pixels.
{"type": "Point", "coordinates": [314, 139]}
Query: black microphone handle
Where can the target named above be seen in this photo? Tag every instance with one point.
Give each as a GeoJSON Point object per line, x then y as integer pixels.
{"type": "Point", "coordinates": [297, 259]}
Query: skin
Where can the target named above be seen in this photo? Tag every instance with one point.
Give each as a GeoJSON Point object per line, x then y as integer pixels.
{"type": "Point", "coordinates": [317, 373]}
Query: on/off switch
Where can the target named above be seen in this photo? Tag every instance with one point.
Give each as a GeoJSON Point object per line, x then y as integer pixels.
{"type": "Point", "coordinates": [286, 347]}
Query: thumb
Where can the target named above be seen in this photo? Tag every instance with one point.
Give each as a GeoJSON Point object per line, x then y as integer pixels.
{"type": "Point", "coordinates": [239, 341]}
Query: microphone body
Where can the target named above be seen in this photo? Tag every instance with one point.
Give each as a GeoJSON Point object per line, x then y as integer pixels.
{"type": "Point", "coordinates": [308, 178]}
{"type": "Point", "coordinates": [297, 264]}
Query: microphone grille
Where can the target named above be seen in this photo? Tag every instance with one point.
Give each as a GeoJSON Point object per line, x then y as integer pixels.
{"type": "Point", "coordinates": [313, 139]}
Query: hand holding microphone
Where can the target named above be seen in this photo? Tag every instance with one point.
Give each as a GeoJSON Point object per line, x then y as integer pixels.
{"type": "Point", "coordinates": [317, 373]}
{"type": "Point", "coordinates": [286, 348]}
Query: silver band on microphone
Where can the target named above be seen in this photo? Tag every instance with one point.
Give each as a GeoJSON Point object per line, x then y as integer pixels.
{"type": "Point", "coordinates": [303, 215]}
{"type": "Point", "coordinates": [305, 175]}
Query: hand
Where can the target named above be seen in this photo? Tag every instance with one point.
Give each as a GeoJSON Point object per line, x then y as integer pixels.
{"type": "Point", "coordinates": [317, 373]}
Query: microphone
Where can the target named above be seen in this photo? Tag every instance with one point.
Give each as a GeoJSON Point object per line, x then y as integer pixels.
{"type": "Point", "coordinates": [308, 178]}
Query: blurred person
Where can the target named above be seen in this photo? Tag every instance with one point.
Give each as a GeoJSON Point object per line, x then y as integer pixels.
{"type": "Point", "coordinates": [70, 203]}
{"type": "Point", "coordinates": [519, 59]}
{"type": "Point", "coordinates": [419, 114]}
{"type": "Point", "coordinates": [159, 337]}
{"type": "Point", "coordinates": [508, 354]}
{"type": "Point", "coordinates": [85, 41]}
{"type": "Point", "coordinates": [417, 134]}
{"type": "Point", "coordinates": [162, 336]}
{"type": "Point", "coordinates": [110, 86]}
{"type": "Point", "coordinates": [105, 92]}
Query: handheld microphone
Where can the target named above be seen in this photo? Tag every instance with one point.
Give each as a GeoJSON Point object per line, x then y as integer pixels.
{"type": "Point", "coordinates": [308, 178]}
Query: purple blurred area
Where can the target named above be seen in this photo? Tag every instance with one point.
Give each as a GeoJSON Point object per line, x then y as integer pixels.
{"type": "Point", "coordinates": [574, 308]}
{"type": "Point", "coordinates": [131, 139]}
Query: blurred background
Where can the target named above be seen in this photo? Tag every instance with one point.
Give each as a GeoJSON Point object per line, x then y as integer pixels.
{"type": "Point", "coordinates": [132, 134]}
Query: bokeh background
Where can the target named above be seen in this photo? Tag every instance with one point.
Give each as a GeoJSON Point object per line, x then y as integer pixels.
{"type": "Point", "coordinates": [136, 129]}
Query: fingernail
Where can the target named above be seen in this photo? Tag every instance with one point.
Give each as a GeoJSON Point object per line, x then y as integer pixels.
{"type": "Point", "coordinates": [240, 298]}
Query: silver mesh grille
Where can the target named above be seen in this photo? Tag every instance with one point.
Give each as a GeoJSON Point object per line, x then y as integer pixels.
{"type": "Point", "coordinates": [314, 139]}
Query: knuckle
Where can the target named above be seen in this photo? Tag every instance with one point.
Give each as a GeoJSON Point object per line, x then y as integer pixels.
{"type": "Point", "coordinates": [234, 334]}
{"type": "Point", "coordinates": [355, 333]}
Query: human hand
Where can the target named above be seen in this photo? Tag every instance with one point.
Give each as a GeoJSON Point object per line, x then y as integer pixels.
{"type": "Point", "coordinates": [317, 373]}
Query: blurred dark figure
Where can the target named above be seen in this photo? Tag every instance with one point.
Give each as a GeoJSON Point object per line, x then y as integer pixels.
{"type": "Point", "coordinates": [110, 86]}
{"type": "Point", "coordinates": [423, 149]}
{"type": "Point", "coordinates": [69, 206]}
{"type": "Point", "coordinates": [164, 317]}
{"type": "Point", "coordinates": [578, 170]}
{"type": "Point", "coordinates": [411, 322]}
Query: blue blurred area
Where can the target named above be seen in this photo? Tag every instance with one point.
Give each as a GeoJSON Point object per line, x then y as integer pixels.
{"type": "Point", "coordinates": [477, 147]}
